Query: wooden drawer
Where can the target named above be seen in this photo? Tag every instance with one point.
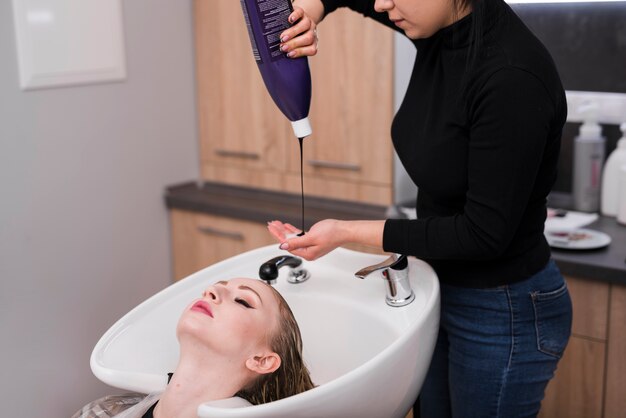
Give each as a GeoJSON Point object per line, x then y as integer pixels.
{"type": "Point", "coordinates": [590, 300]}
{"type": "Point", "coordinates": [199, 240]}
{"type": "Point", "coordinates": [616, 358]}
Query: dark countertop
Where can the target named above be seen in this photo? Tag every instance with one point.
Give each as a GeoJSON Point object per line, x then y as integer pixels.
{"type": "Point", "coordinates": [262, 205]}
{"type": "Point", "coordinates": [606, 264]}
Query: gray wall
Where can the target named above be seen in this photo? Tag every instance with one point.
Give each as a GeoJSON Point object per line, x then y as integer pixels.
{"type": "Point", "coordinates": [83, 229]}
{"type": "Point", "coordinates": [404, 190]}
{"type": "Point", "coordinates": [586, 40]}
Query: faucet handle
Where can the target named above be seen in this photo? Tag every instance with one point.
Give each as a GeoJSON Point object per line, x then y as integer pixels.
{"type": "Point", "coordinates": [268, 271]}
{"type": "Point", "coordinates": [396, 274]}
{"type": "Point", "coordinates": [395, 262]}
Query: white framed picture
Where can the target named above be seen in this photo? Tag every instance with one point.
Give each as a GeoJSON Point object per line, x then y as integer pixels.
{"type": "Point", "coordinates": [68, 42]}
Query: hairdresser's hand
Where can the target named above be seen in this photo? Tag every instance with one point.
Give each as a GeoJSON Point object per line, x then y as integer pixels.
{"type": "Point", "coordinates": [301, 38]}
{"type": "Point", "coordinates": [322, 238]}
{"type": "Point", "coordinates": [326, 235]}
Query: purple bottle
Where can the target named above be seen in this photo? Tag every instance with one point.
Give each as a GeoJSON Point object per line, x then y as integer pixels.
{"type": "Point", "coordinates": [288, 80]}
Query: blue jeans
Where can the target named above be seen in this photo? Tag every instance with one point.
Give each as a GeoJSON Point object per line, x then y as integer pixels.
{"type": "Point", "coordinates": [497, 348]}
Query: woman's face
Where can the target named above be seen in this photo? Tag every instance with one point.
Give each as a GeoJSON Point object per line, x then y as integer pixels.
{"type": "Point", "coordinates": [234, 319]}
{"type": "Point", "coordinates": [419, 18]}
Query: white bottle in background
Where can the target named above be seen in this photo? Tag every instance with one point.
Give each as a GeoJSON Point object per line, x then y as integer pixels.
{"type": "Point", "coordinates": [611, 175]}
{"type": "Point", "coordinates": [588, 158]}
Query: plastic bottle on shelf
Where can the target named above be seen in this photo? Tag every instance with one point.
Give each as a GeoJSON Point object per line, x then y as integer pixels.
{"type": "Point", "coordinates": [588, 159]}
{"type": "Point", "coordinates": [611, 175]}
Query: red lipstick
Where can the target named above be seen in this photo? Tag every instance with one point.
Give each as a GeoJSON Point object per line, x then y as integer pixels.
{"type": "Point", "coordinates": [202, 307]}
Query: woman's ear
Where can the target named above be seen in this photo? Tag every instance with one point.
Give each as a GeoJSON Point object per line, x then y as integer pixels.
{"type": "Point", "coordinates": [264, 363]}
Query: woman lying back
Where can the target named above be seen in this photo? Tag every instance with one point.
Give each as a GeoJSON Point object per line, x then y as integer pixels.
{"type": "Point", "coordinates": [239, 339]}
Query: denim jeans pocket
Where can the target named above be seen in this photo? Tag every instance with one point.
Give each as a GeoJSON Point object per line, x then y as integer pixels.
{"type": "Point", "coordinates": [553, 320]}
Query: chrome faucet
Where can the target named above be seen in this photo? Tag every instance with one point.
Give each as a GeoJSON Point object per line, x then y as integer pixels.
{"type": "Point", "coordinates": [268, 271]}
{"type": "Point", "coordinates": [395, 271]}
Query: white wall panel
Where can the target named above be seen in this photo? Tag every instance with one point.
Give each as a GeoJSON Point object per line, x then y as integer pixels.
{"type": "Point", "coordinates": [65, 42]}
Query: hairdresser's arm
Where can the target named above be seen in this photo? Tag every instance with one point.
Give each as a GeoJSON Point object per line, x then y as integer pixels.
{"type": "Point", "coordinates": [327, 235]}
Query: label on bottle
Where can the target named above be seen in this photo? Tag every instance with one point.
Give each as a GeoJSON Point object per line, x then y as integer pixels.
{"type": "Point", "coordinates": [274, 16]}
{"type": "Point", "coordinates": [255, 49]}
{"type": "Point", "coordinates": [588, 158]}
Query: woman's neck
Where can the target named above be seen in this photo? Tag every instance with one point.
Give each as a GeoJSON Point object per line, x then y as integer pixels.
{"type": "Point", "coordinates": [196, 381]}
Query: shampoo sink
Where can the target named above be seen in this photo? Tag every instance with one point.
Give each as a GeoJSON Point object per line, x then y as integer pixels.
{"type": "Point", "coordinates": [367, 358]}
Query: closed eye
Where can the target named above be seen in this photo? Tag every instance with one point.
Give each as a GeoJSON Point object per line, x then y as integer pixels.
{"type": "Point", "coordinates": [244, 303]}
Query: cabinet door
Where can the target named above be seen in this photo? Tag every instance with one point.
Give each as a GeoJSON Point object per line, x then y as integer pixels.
{"type": "Point", "coordinates": [239, 125]}
{"type": "Point", "coordinates": [578, 386]}
{"type": "Point", "coordinates": [200, 240]}
{"type": "Point", "coordinates": [615, 399]}
{"type": "Point", "coordinates": [352, 108]}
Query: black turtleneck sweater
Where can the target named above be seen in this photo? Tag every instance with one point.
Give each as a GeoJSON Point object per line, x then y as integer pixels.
{"type": "Point", "coordinates": [482, 146]}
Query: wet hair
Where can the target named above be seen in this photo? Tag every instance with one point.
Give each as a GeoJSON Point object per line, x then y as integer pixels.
{"type": "Point", "coordinates": [292, 377]}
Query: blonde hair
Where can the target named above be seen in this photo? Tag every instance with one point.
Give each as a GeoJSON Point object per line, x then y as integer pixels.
{"type": "Point", "coordinates": [292, 377]}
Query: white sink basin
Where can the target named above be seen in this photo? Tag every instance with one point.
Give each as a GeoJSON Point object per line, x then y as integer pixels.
{"type": "Point", "coordinates": [369, 359]}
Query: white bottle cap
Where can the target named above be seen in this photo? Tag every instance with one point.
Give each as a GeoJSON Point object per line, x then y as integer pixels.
{"type": "Point", "coordinates": [302, 127]}
{"type": "Point", "coordinates": [590, 130]}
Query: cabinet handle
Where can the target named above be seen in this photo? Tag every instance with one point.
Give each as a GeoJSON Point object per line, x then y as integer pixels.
{"type": "Point", "coordinates": [238, 154]}
{"type": "Point", "coordinates": [332, 164]}
{"type": "Point", "coordinates": [207, 230]}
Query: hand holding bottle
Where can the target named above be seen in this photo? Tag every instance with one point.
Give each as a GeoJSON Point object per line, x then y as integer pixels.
{"type": "Point", "coordinates": [301, 38]}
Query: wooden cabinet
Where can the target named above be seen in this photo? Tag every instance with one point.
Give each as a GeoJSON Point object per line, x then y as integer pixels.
{"type": "Point", "coordinates": [615, 405]}
{"type": "Point", "coordinates": [241, 131]}
{"type": "Point", "coordinates": [589, 381]}
{"type": "Point", "coordinates": [350, 151]}
{"type": "Point", "coordinates": [576, 390]}
{"type": "Point", "coordinates": [245, 140]}
{"type": "Point", "coordinates": [200, 240]}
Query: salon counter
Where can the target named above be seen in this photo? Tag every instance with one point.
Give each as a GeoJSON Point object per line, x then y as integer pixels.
{"type": "Point", "coordinates": [605, 264]}
{"type": "Point", "coordinates": [261, 206]}
{"type": "Point", "coordinates": [210, 222]}
{"type": "Point", "coordinates": [254, 205]}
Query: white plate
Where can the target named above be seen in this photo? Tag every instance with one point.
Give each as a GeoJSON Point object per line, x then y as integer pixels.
{"type": "Point", "coordinates": [577, 239]}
